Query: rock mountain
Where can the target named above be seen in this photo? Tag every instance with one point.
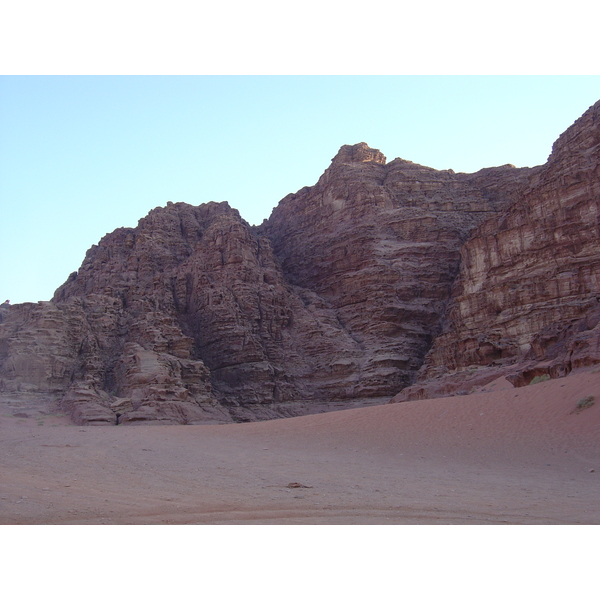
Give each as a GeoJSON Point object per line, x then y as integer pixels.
{"type": "Point", "coordinates": [385, 281]}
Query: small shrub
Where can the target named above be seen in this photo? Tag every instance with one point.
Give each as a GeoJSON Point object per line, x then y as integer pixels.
{"type": "Point", "coordinates": [585, 402]}
{"type": "Point", "coordinates": [539, 379]}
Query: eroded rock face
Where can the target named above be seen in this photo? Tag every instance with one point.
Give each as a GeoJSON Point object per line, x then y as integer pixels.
{"type": "Point", "coordinates": [185, 319]}
{"type": "Point", "coordinates": [380, 244]}
{"type": "Point", "coordinates": [527, 296]}
{"type": "Point", "coordinates": [194, 316]}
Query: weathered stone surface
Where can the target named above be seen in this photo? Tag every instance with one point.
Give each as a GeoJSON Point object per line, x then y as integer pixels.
{"type": "Point", "coordinates": [88, 405]}
{"type": "Point", "coordinates": [194, 316]}
{"type": "Point", "coordinates": [380, 244]}
{"type": "Point", "coordinates": [529, 285]}
{"type": "Point", "coordinates": [185, 319]}
{"type": "Point", "coordinates": [39, 347]}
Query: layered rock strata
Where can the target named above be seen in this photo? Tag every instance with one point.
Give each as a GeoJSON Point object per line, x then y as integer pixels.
{"type": "Point", "coordinates": [527, 298]}
{"type": "Point", "coordinates": [380, 244]}
{"type": "Point", "coordinates": [186, 319]}
{"type": "Point", "coordinates": [194, 316]}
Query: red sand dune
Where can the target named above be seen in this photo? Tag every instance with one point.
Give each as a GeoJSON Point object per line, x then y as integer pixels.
{"type": "Point", "coordinates": [524, 455]}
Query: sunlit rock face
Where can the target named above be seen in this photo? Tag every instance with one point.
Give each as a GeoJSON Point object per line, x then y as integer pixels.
{"type": "Point", "coordinates": [186, 318]}
{"type": "Point", "coordinates": [528, 290]}
{"type": "Point", "coordinates": [380, 244]}
{"type": "Point", "coordinates": [335, 301]}
{"type": "Point", "coordinates": [208, 327]}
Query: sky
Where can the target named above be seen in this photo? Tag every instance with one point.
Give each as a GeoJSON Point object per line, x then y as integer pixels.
{"type": "Point", "coordinates": [83, 155]}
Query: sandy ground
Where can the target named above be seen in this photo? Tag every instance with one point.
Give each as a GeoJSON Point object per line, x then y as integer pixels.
{"type": "Point", "coordinates": [505, 455]}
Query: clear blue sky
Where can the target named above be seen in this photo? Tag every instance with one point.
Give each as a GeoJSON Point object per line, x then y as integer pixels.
{"type": "Point", "coordinates": [81, 156]}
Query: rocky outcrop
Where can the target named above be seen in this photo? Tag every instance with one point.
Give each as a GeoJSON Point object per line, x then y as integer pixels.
{"type": "Point", "coordinates": [335, 301]}
{"type": "Point", "coordinates": [185, 319]}
{"type": "Point", "coordinates": [526, 300]}
{"type": "Point", "coordinates": [380, 244]}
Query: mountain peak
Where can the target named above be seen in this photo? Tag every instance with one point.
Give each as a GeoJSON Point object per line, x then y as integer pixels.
{"type": "Point", "coordinates": [360, 152]}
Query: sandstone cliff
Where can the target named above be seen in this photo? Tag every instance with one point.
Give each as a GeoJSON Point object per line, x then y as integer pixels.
{"type": "Point", "coordinates": [185, 318]}
{"type": "Point", "coordinates": [380, 244]}
{"type": "Point", "coordinates": [526, 301]}
{"type": "Point", "coordinates": [194, 316]}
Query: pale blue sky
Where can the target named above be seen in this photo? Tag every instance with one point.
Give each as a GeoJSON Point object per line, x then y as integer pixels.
{"type": "Point", "coordinates": [81, 156]}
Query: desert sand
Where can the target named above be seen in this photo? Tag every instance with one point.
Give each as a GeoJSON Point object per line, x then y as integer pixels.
{"type": "Point", "coordinates": [501, 455]}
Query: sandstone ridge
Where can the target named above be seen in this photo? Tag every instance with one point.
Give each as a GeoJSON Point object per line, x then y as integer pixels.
{"type": "Point", "coordinates": [382, 277]}
{"type": "Point", "coordinates": [526, 301]}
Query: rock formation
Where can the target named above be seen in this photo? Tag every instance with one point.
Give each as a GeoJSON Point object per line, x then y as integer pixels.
{"type": "Point", "coordinates": [527, 298]}
{"type": "Point", "coordinates": [336, 300]}
{"type": "Point", "coordinates": [380, 244]}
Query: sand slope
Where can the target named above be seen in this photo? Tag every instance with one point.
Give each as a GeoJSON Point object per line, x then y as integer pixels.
{"type": "Point", "coordinates": [503, 456]}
